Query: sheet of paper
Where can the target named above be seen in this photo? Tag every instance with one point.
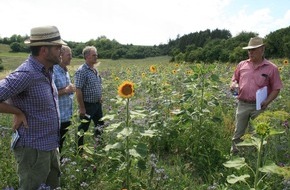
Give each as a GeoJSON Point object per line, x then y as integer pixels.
{"type": "Point", "coordinates": [261, 95]}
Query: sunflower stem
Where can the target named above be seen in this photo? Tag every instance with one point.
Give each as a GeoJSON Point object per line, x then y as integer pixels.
{"type": "Point", "coordinates": [260, 149]}
{"type": "Point", "coordinates": [127, 147]}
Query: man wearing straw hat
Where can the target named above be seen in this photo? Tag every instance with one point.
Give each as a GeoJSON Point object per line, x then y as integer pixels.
{"type": "Point", "coordinates": [33, 99]}
{"type": "Point", "coordinates": [251, 75]}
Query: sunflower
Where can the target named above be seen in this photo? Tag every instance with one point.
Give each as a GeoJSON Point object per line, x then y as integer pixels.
{"type": "Point", "coordinates": [116, 78]}
{"type": "Point", "coordinates": [174, 71]}
{"type": "Point", "coordinates": [176, 65]}
{"type": "Point", "coordinates": [285, 62]}
{"type": "Point", "coordinates": [153, 69]}
{"type": "Point", "coordinates": [263, 129]}
{"type": "Point", "coordinates": [280, 68]}
{"type": "Point", "coordinates": [126, 89]}
{"type": "Point", "coordinates": [189, 72]}
{"type": "Point", "coordinates": [143, 75]}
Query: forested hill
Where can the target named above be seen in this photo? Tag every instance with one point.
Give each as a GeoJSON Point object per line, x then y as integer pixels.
{"type": "Point", "coordinates": [203, 46]}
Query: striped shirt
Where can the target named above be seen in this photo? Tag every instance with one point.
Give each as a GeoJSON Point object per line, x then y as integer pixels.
{"type": "Point", "coordinates": [61, 79]}
{"type": "Point", "coordinates": [90, 83]}
{"type": "Point", "coordinates": [31, 90]}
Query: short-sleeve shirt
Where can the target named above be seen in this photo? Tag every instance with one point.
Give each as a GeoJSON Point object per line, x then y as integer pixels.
{"type": "Point", "coordinates": [61, 79]}
{"type": "Point", "coordinates": [32, 90]}
{"type": "Point", "coordinates": [90, 83]}
{"type": "Point", "coordinates": [251, 79]}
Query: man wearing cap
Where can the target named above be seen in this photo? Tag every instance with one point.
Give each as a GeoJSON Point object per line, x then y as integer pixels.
{"type": "Point", "coordinates": [33, 99]}
{"type": "Point", "coordinates": [250, 75]}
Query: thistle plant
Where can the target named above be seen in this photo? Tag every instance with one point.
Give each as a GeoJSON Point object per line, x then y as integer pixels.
{"type": "Point", "coordinates": [264, 130]}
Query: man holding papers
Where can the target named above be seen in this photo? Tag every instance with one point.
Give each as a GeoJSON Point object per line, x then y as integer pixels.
{"type": "Point", "coordinates": [259, 84]}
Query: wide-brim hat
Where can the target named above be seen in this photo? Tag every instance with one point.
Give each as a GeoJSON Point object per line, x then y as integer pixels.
{"type": "Point", "coordinates": [254, 42]}
{"type": "Point", "coordinates": [44, 36]}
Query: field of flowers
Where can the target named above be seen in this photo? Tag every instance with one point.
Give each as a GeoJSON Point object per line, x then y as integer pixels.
{"type": "Point", "coordinates": [168, 126]}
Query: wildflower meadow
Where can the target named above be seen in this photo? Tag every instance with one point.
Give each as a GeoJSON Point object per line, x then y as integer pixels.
{"type": "Point", "coordinates": [168, 126]}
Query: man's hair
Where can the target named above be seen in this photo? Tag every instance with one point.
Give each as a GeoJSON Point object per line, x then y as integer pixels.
{"type": "Point", "coordinates": [87, 50]}
{"type": "Point", "coordinates": [35, 50]}
{"type": "Point", "coordinates": [65, 48]}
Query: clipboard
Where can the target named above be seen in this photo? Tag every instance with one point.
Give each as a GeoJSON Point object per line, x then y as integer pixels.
{"type": "Point", "coordinates": [261, 95]}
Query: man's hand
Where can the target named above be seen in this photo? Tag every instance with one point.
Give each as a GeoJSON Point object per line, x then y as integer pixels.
{"type": "Point", "coordinates": [19, 120]}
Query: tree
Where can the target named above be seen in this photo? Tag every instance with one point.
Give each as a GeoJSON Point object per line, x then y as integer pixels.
{"type": "Point", "coordinates": [15, 47]}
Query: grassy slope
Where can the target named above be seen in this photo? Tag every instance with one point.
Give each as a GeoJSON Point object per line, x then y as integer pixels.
{"type": "Point", "coordinates": [12, 60]}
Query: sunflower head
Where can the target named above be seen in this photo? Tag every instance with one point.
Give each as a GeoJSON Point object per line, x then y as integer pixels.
{"type": "Point", "coordinates": [285, 62]}
{"type": "Point", "coordinates": [263, 129]}
{"type": "Point", "coordinates": [143, 75]}
{"type": "Point", "coordinates": [189, 72]}
{"type": "Point", "coordinates": [126, 89]}
{"type": "Point", "coordinates": [174, 71]}
{"type": "Point", "coordinates": [153, 69]}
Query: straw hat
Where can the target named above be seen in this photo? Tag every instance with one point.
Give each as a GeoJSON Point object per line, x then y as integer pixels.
{"type": "Point", "coordinates": [44, 36]}
{"type": "Point", "coordinates": [254, 42]}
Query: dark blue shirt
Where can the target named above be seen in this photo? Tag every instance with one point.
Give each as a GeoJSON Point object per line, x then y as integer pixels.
{"type": "Point", "coordinates": [32, 90]}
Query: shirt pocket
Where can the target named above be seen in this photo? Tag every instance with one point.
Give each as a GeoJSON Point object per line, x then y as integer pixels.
{"type": "Point", "coordinates": [262, 80]}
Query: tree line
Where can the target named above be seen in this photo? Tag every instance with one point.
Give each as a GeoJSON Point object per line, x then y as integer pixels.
{"type": "Point", "coordinates": [204, 46]}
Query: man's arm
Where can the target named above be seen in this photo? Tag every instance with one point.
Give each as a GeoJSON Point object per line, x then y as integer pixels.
{"type": "Point", "coordinates": [19, 117]}
{"type": "Point", "coordinates": [269, 99]}
{"type": "Point", "coordinates": [80, 100]}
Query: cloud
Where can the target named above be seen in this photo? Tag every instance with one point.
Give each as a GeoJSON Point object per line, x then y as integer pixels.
{"type": "Point", "coordinates": [149, 22]}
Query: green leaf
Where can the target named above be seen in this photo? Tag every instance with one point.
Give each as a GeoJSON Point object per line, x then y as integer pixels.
{"type": "Point", "coordinates": [214, 77]}
{"type": "Point", "coordinates": [237, 163]}
{"type": "Point", "coordinates": [276, 132]}
{"type": "Point", "coordinates": [142, 149]}
{"type": "Point", "coordinates": [108, 117]}
{"type": "Point", "coordinates": [137, 114]}
{"type": "Point", "coordinates": [148, 133]}
{"type": "Point", "coordinates": [232, 179]}
{"type": "Point", "coordinates": [273, 168]}
{"type": "Point", "coordinates": [154, 113]}
{"type": "Point", "coordinates": [112, 127]}
{"type": "Point", "coordinates": [84, 121]}
{"type": "Point", "coordinates": [141, 164]}
{"type": "Point", "coordinates": [177, 112]}
{"type": "Point", "coordinates": [125, 132]}
{"type": "Point", "coordinates": [253, 141]}
{"type": "Point", "coordinates": [133, 152]}
{"type": "Point", "coordinates": [117, 145]}
{"type": "Point", "coordinates": [89, 150]}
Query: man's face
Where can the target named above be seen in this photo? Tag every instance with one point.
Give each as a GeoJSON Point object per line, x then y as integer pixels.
{"type": "Point", "coordinates": [256, 54]}
{"type": "Point", "coordinates": [92, 57]}
{"type": "Point", "coordinates": [53, 54]}
{"type": "Point", "coordinates": [66, 57]}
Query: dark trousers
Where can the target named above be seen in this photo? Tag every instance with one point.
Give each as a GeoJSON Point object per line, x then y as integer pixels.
{"type": "Point", "coordinates": [63, 130]}
{"type": "Point", "coordinates": [96, 113]}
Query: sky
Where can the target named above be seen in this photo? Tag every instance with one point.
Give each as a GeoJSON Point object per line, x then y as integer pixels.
{"type": "Point", "coordinates": [142, 22]}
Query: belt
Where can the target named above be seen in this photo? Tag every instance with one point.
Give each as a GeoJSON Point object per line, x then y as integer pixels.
{"type": "Point", "coordinates": [92, 102]}
{"type": "Point", "coordinates": [248, 101]}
